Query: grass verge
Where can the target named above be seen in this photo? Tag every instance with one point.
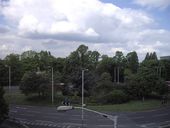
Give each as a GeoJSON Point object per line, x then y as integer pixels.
{"type": "Point", "coordinates": [131, 106]}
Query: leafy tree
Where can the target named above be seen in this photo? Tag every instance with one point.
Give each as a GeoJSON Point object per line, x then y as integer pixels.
{"type": "Point", "coordinates": [3, 74]}
{"type": "Point", "coordinates": [120, 64]}
{"type": "Point", "coordinates": [13, 61]}
{"type": "Point", "coordinates": [34, 82]}
{"type": "Point", "coordinates": [132, 61]}
{"type": "Point", "coordinates": [165, 66]}
{"type": "Point", "coordinates": [104, 84]}
{"type": "Point", "coordinates": [105, 65]}
{"type": "Point", "coordinates": [3, 106]}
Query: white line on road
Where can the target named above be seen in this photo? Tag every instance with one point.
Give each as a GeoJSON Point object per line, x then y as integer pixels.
{"type": "Point", "coordinates": [27, 115]}
{"type": "Point", "coordinates": [12, 111]}
{"type": "Point", "coordinates": [44, 121]}
{"type": "Point", "coordinates": [21, 108]}
{"type": "Point", "coordinates": [161, 115]}
{"type": "Point", "coordinates": [138, 117]}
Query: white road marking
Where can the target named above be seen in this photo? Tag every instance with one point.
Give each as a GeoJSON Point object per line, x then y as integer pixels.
{"type": "Point", "coordinates": [27, 115]}
{"type": "Point", "coordinates": [161, 115]}
{"type": "Point", "coordinates": [21, 108]}
{"type": "Point", "coordinates": [13, 111]}
{"type": "Point", "coordinates": [33, 112]}
{"type": "Point", "coordinates": [138, 117]}
{"type": "Point", "coordinates": [44, 121]}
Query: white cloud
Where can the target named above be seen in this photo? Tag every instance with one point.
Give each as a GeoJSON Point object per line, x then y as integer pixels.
{"type": "Point", "coordinates": [81, 20]}
{"type": "Point", "coordinates": [62, 25]}
{"type": "Point", "coordinates": [154, 3]}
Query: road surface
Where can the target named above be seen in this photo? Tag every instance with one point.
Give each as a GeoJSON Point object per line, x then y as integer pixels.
{"type": "Point", "coordinates": [48, 117]}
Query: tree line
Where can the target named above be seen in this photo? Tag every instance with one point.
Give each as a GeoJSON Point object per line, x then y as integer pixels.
{"type": "Point", "coordinates": [107, 78]}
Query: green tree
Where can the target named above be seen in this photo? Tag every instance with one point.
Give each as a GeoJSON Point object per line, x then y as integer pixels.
{"type": "Point", "coordinates": [3, 74]}
{"type": "Point", "coordinates": [13, 61]}
{"type": "Point", "coordinates": [104, 84]}
{"type": "Point", "coordinates": [120, 64]}
{"type": "Point", "coordinates": [34, 82]}
{"type": "Point", "coordinates": [3, 106]}
{"type": "Point", "coordinates": [132, 61]}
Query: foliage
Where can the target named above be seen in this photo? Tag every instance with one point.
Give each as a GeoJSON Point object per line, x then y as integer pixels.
{"type": "Point", "coordinates": [33, 82]}
{"type": "Point", "coordinates": [113, 97]}
{"type": "Point", "coordinates": [13, 61]}
{"type": "Point", "coordinates": [132, 62]}
{"type": "Point", "coordinates": [104, 85]}
{"type": "Point", "coordinates": [3, 106]}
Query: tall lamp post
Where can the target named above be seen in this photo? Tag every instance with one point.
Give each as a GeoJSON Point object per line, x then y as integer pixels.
{"type": "Point", "coordinates": [82, 104]}
{"type": "Point", "coordinates": [52, 84]}
{"type": "Point", "coordinates": [52, 88]}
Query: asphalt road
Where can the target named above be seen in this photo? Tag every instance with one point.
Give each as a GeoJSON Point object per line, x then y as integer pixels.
{"type": "Point", "coordinates": [48, 117]}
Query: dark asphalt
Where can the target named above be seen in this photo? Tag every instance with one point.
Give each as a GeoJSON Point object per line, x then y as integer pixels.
{"type": "Point", "coordinates": [48, 117]}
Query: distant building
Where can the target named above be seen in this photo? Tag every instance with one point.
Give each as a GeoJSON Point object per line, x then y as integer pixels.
{"type": "Point", "coordinates": [165, 58]}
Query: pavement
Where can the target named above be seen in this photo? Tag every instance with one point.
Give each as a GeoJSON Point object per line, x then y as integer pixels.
{"type": "Point", "coordinates": [49, 117]}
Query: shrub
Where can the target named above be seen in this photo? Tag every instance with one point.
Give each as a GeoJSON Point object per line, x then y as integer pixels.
{"type": "Point", "coordinates": [114, 97]}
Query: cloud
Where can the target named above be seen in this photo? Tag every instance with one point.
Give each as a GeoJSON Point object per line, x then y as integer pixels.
{"type": "Point", "coordinates": [60, 26]}
{"type": "Point", "coordinates": [4, 29]}
{"type": "Point", "coordinates": [153, 3]}
{"type": "Point", "coordinates": [84, 20]}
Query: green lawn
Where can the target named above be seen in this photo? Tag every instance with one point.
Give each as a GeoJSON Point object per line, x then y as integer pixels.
{"type": "Point", "coordinates": [130, 106]}
{"type": "Point", "coordinates": [17, 97]}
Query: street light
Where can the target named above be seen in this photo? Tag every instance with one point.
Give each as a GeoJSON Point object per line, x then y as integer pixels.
{"type": "Point", "coordinates": [82, 104]}
{"type": "Point", "coordinates": [9, 77]}
{"type": "Point", "coordinates": [52, 85]}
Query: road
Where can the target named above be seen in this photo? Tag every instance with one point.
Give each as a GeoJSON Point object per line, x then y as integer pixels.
{"type": "Point", "coordinates": [48, 117]}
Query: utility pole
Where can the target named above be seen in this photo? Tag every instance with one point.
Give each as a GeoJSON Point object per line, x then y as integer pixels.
{"type": "Point", "coordinates": [115, 74]}
{"type": "Point", "coordinates": [82, 104]}
{"type": "Point", "coordinates": [118, 75]}
{"type": "Point", "coordinates": [9, 78]}
{"type": "Point", "coordinates": [52, 78]}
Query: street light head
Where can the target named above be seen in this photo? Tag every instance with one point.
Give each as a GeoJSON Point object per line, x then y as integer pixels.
{"type": "Point", "coordinates": [85, 69]}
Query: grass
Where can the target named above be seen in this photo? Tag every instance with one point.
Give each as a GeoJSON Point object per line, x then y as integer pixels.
{"type": "Point", "coordinates": [130, 106]}
{"type": "Point", "coordinates": [16, 97]}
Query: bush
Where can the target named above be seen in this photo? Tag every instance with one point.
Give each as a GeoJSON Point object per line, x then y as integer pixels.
{"type": "Point", "coordinates": [3, 106]}
{"type": "Point", "coordinates": [114, 97]}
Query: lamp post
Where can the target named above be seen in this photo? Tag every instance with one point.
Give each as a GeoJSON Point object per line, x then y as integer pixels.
{"type": "Point", "coordinates": [52, 84]}
{"type": "Point", "coordinates": [82, 104]}
{"type": "Point", "coordinates": [52, 81]}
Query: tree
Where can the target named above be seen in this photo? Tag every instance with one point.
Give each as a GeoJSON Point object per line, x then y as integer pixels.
{"type": "Point", "coordinates": [34, 82]}
{"type": "Point", "coordinates": [3, 74]}
{"type": "Point", "coordinates": [3, 106]}
{"type": "Point", "coordinates": [147, 57]}
{"type": "Point", "coordinates": [104, 84]}
{"type": "Point", "coordinates": [151, 56]}
{"type": "Point", "coordinates": [13, 61]}
{"type": "Point", "coordinates": [132, 61]}
{"type": "Point", "coordinates": [120, 64]}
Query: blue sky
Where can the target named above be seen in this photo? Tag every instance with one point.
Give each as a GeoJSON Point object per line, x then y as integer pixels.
{"type": "Point", "coordinates": [162, 16]}
{"type": "Point", "coordinates": [106, 26]}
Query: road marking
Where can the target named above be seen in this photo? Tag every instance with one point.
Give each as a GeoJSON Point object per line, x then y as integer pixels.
{"type": "Point", "coordinates": [21, 108]}
{"type": "Point", "coordinates": [168, 121]}
{"type": "Point", "coordinates": [26, 115]}
{"type": "Point", "coordinates": [51, 117]}
{"type": "Point", "coordinates": [105, 126]}
{"type": "Point", "coordinates": [138, 117]}
{"type": "Point", "coordinates": [33, 112]}
{"type": "Point", "coordinates": [12, 111]}
{"type": "Point", "coordinates": [160, 115]}
{"type": "Point", "coordinates": [44, 121]}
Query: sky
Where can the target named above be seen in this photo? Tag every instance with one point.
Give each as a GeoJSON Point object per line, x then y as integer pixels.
{"type": "Point", "coordinates": [60, 26]}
